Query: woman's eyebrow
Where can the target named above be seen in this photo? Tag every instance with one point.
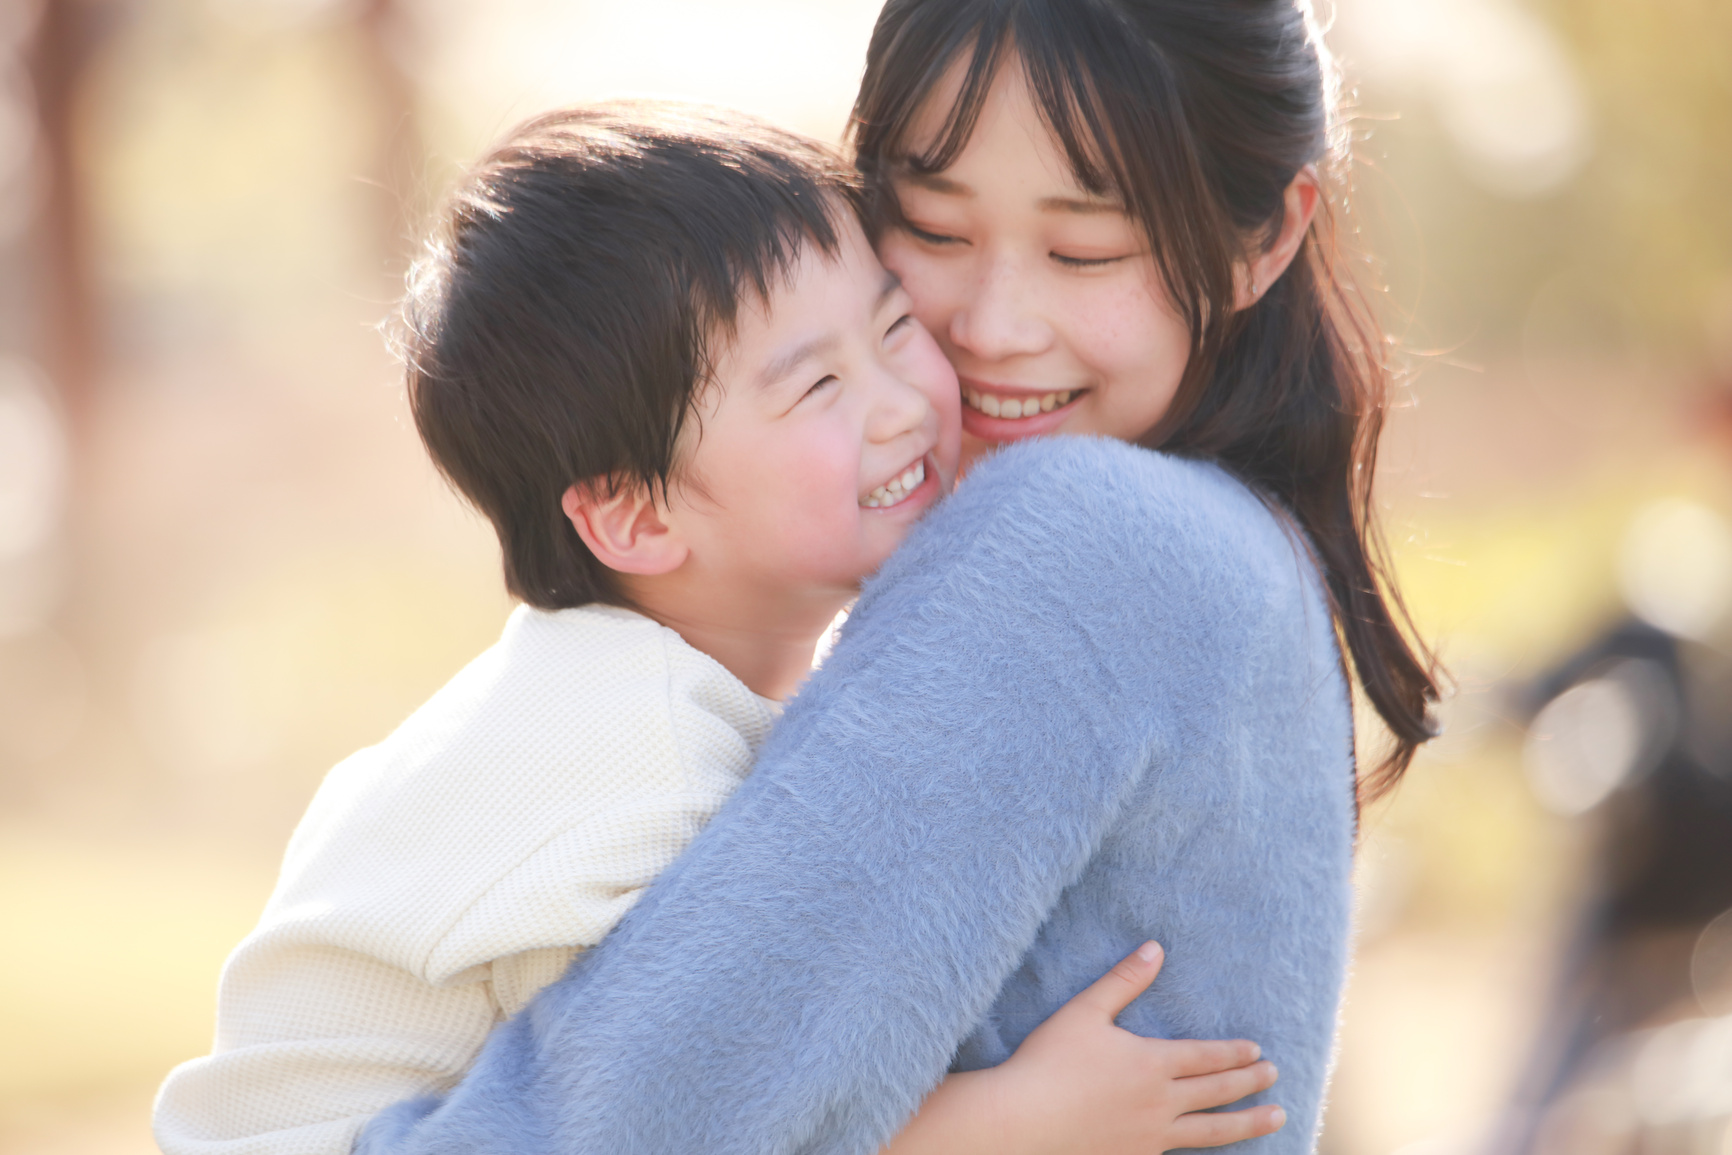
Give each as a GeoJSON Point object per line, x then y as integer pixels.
{"type": "Point", "coordinates": [1078, 205]}
{"type": "Point", "coordinates": [933, 182]}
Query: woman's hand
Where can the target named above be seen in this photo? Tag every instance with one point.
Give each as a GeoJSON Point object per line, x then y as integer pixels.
{"type": "Point", "coordinates": [1079, 1083]}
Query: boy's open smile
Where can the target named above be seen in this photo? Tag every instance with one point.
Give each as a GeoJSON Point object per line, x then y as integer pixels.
{"type": "Point", "coordinates": [829, 426]}
{"type": "Point", "coordinates": [914, 488]}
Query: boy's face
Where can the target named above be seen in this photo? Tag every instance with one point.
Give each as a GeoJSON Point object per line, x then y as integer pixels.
{"type": "Point", "coordinates": [833, 424]}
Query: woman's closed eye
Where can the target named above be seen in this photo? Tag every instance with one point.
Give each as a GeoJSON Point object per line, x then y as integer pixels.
{"type": "Point", "coordinates": [1071, 262]}
{"type": "Point", "coordinates": [926, 236]}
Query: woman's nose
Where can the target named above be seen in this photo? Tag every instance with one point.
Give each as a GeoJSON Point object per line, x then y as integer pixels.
{"type": "Point", "coordinates": [995, 319]}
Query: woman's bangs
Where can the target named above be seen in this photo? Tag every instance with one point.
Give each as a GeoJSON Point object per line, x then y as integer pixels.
{"type": "Point", "coordinates": [986, 45]}
{"type": "Point", "coordinates": [1063, 96]}
{"type": "Point", "coordinates": [1070, 100]}
{"type": "Point", "coordinates": [1071, 106]}
{"type": "Point", "coordinates": [1089, 75]}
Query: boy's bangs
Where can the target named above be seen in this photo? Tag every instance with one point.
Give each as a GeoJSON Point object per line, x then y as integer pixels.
{"type": "Point", "coordinates": [767, 259]}
{"type": "Point", "coordinates": [764, 261]}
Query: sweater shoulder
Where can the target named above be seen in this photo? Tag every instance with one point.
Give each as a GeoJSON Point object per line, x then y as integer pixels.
{"type": "Point", "coordinates": [585, 740]}
{"type": "Point", "coordinates": [1068, 485]}
{"type": "Point", "coordinates": [1082, 513]}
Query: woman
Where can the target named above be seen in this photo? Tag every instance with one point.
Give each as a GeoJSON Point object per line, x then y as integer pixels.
{"type": "Point", "coordinates": [1097, 698]}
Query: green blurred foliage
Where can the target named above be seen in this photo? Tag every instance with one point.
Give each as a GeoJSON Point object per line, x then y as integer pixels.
{"type": "Point", "coordinates": [1628, 256]}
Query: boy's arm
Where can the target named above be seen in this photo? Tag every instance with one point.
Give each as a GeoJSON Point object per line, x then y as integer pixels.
{"type": "Point", "coordinates": [1081, 1083]}
{"type": "Point", "coordinates": [313, 1040]}
{"type": "Point", "coordinates": [799, 980]}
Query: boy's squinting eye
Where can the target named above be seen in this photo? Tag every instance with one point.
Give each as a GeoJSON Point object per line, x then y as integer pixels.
{"type": "Point", "coordinates": [899, 324]}
{"type": "Point", "coordinates": [820, 386]}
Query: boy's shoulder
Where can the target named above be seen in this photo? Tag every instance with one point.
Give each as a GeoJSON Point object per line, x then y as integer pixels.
{"type": "Point", "coordinates": [579, 720]}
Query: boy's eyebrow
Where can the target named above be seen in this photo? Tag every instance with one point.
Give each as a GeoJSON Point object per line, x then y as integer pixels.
{"type": "Point", "coordinates": [786, 363]}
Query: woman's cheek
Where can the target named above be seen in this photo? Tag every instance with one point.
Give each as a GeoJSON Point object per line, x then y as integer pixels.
{"type": "Point", "coordinates": [931, 282]}
{"type": "Point", "coordinates": [1103, 316]}
{"type": "Point", "coordinates": [1127, 329]}
{"type": "Point", "coordinates": [1138, 350]}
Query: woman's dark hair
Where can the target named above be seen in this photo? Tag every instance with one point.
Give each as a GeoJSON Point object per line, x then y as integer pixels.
{"type": "Point", "coordinates": [558, 328]}
{"type": "Point", "coordinates": [1197, 115]}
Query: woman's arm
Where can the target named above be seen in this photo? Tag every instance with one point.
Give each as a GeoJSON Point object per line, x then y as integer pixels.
{"type": "Point", "coordinates": [799, 980]}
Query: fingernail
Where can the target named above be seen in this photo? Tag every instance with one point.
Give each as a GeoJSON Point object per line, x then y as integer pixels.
{"type": "Point", "coordinates": [1256, 1052]}
{"type": "Point", "coordinates": [1279, 1118]}
{"type": "Point", "coordinates": [1149, 951]}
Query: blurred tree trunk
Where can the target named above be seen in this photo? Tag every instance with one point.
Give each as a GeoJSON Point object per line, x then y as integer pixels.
{"type": "Point", "coordinates": [399, 157]}
{"type": "Point", "coordinates": [69, 341]}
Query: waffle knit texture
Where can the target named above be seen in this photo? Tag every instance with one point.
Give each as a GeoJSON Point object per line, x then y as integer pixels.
{"type": "Point", "coordinates": [1094, 699]}
{"type": "Point", "coordinates": [443, 876]}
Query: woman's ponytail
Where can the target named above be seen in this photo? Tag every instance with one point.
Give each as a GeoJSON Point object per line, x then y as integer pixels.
{"type": "Point", "coordinates": [1295, 406]}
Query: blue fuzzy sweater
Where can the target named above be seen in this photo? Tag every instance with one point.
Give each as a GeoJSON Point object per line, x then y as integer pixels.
{"type": "Point", "coordinates": [1094, 699]}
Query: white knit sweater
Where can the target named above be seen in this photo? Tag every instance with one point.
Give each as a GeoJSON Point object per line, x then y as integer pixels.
{"type": "Point", "coordinates": [442, 877]}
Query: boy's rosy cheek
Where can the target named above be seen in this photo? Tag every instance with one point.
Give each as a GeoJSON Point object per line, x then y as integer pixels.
{"type": "Point", "coordinates": [824, 483]}
{"type": "Point", "coordinates": [932, 369]}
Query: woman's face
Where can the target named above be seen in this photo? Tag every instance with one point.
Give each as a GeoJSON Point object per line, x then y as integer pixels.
{"type": "Point", "coordinates": [1043, 295]}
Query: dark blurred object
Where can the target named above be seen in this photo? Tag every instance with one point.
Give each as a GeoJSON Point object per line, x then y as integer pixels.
{"type": "Point", "coordinates": [1633, 733]}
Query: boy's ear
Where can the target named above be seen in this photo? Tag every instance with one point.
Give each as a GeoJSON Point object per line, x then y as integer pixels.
{"type": "Point", "coordinates": [625, 529]}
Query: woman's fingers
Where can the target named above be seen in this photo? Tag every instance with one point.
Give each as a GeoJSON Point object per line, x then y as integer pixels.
{"type": "Point", "coordinates": [1217, 1130]}
{"type": "Point", "coordinates": [1204, 1091]}
{"type": "Point", "coordinates": [1187, 1057]}
{"type": "Point", "coordinates": [1113, 991]}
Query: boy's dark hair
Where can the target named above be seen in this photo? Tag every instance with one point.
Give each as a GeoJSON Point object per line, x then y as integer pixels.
{"type": "Point", "coordinates": [560, 325]}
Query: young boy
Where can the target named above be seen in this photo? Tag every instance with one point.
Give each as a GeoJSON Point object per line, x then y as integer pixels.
{"type": "Point", "coordinates": [656, 350]}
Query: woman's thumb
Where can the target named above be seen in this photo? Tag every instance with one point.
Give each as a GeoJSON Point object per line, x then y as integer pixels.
{"type": "Point", "coordinates": [1114, 990]}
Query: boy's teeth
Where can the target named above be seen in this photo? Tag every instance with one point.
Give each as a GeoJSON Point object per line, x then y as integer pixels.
{"type": "Point", "coordinates": [897, 487]}
{"type": "Point", "coordinates": [1016, 408]}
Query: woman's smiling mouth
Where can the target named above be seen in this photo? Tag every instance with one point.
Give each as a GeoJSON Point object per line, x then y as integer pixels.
{"type": "Point", "coordinates": [999, 413]}
{"type": "Point", "coordinates": [1012, 408]}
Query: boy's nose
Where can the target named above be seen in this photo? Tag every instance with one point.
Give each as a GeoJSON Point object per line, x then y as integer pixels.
{"type": "Point", "coordinates": [995, 319]}
{"type": "Point", "coordinates": [898, 407]}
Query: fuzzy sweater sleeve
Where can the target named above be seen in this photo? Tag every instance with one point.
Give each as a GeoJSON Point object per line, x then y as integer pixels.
{"type": "Point", "coordinates": [1069, 629]}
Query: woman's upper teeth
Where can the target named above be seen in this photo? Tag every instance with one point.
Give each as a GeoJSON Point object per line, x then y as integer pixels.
{"type": "Point", "coordinates": [897, 487]}
{"type": "Point", "coordinates": [995, 405]}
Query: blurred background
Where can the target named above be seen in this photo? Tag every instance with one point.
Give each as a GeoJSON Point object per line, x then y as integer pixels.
{"type": "Point", "coordinates": [224, 563]}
